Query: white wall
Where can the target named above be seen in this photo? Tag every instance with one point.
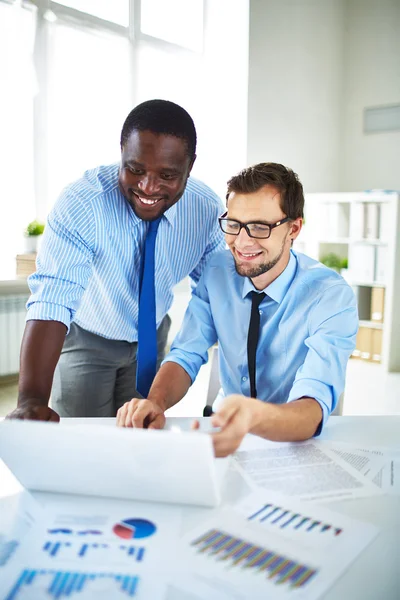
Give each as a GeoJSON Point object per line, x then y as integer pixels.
{"type": "Point", "coordinates": [314, 65]}
{"type": "Point", "coordinates": [295, 87]}
{"type": "Point", "coordinates": [371, 78]}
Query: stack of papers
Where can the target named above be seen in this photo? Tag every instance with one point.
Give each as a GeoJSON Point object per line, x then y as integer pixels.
{"type": "Point", "coordinates": [276, 541]}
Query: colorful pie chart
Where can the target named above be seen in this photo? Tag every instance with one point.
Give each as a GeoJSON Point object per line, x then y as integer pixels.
{"type": "Point", "coordinates": [134, 528]}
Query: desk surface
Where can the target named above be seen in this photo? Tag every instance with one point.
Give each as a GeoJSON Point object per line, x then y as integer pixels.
{"type": "Point", "coordinates": [376, 572]}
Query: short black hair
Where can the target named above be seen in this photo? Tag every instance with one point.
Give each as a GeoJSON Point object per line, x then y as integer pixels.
{"type": "Point", "coordinates": [252, 179]}
{"type": "Point", "coordinates": [162, 117]}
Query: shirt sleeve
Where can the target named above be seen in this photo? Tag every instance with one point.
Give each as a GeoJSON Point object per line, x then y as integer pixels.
{"type": "Point", "coordinates": [216, 243]}
{"type": "Point", "coordinates": [197, 334]}
{"type": "Point", "coordinates": [64, 263]}
{"type": "Point", "coordinates": [333, 325]}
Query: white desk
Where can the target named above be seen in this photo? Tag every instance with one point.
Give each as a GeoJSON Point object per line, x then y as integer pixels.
{"type": "Point", "coordinates": [376, 572]}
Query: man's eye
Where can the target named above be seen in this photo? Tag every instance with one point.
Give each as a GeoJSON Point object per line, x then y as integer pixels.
{"type": "Point", "coordinates": [232, 225]}
{"type": "Point", "coordinates": [135, 171]}
{"type": "Point", "coordinates": [168, 176]}
{"type": "Point", "coordinates": [258, 227]}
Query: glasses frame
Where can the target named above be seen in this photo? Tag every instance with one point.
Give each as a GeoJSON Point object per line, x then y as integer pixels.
{"type": "Point", "coordinates": [246, 226]}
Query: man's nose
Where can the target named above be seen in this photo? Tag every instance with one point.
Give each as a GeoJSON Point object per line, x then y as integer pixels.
{"type": "Point", "coordinates": [243, 238]}
{"type": "Point", "coordinates": [148, 184]}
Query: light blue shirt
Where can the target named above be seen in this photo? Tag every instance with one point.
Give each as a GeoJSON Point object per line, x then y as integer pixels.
{"type": "Point", "coordinates": [308, 326]}
{"type": "Point", "coordinates": [88, 266]}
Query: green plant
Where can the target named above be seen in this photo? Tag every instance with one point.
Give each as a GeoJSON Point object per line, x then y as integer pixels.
{"type": "Point", "coordinates": [332, 260]}
{"type": "Point", "coordinates": [344, 264]}
{"type": "Point", "coordinates": [34, 228]}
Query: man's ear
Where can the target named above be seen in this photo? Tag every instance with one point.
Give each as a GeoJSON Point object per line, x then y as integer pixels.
{"type": "Point", "coordinates": [192, 163]}
{"type": "Point", "coordinates": [295, 228]}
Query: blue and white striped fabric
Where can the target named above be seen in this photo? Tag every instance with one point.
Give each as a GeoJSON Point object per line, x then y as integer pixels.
{"type": "Point", "coordinates": [88, 265]}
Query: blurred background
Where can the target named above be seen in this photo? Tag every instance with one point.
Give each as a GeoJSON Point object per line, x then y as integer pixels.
{"type": "Point", "coordinates": [313, 84]}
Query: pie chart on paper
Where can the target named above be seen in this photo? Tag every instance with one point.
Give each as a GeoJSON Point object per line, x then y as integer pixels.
{"type": "Point", "coordinates": [134, 528]}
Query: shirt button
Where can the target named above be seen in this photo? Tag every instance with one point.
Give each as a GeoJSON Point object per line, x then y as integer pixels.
{"type": "Point", "coordinates": [261, 312]}
{"type": "Point", "coordinates": [244, 378]}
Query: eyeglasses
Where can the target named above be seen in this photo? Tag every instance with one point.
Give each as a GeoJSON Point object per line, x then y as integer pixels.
{"type": "Point", "coordinates": [260, 231]}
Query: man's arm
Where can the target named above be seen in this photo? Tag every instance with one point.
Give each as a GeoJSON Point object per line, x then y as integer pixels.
{"type": "Point", "coordinates": [40, 351]}
{"type": "Point", "coordinates": [169, 387]}
{"type": "Point", "coordinates": [317, 386]}
{"type": "Point", "coordinates": [64, 267]}
{"type": "Point", "coordinates": [180, 368]}
{"type": "Point", "coordinates": [238, 415]}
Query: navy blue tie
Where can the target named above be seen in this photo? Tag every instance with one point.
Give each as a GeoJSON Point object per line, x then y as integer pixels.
{"type": "Point", "coordinates": [147, 328]}
{"type": "Point", "coordinates": [252, 339]}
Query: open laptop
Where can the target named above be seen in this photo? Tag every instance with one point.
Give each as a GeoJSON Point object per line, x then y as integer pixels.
{"type": "Point", "coordinates": [136, 464]}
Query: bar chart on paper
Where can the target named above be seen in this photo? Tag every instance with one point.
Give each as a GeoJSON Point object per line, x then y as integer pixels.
{"type": "Point", "coordinates": [240, 555]}
{"type": "Point", "coordinates": [294, 521]}
{"type": "Point", "coordinates": [283, 518]}
{"type": "Point", "coordinates": [48, 584]}
{"type": "Point", "coordinates": [104, 553]}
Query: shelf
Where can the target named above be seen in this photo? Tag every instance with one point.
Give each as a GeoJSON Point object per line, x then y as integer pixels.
{"type": "Point", "coordinates": [371, 324]}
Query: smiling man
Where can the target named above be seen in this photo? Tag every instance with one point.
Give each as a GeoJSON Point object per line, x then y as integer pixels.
{"type": "Point", "coordinates": [116, 243]}
{"type": "Point", "coordinates": [285, 323]}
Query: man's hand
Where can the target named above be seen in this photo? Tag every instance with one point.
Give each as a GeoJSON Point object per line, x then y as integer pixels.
{"type": "Point", "coordinates": [34, 412]}
{"type": "Point", "coordinates": [141, 414]}
{"type": "Point", "coordinates": [235, 420]}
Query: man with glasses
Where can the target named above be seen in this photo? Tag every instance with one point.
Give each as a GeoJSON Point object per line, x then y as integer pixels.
{"type": "Point", "coordinates": [285, 323]}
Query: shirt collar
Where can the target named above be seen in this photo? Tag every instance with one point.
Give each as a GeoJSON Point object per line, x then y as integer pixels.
{"type": "Point", "coordinates": [278, 288]}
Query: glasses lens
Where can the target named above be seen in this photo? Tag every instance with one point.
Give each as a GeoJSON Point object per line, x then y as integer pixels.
{"type": "Point", "coordinates": [259, 230]}
{"type": "Point", "coordinates": [229, 226]}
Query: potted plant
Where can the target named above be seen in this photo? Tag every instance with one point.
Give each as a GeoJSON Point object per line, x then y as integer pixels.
{"type": "Point", "coordinates": [32, 236]}
{"type": "Point", "coordinates": [332, 260]}
{"type": "Point", "coordinates": [344, 268]}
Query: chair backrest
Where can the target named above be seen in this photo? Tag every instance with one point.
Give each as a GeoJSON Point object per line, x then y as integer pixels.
{"type": "Point", "coordinates": [213, 382]}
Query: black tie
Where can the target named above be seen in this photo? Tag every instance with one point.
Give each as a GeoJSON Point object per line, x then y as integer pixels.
{"type": "Point", "coordinates": [252, 339]}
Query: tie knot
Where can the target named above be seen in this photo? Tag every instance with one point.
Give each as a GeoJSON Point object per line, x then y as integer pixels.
{"type": "Point", "coordinates": [154, 225]}
{"type": "Point", "coordinates": [257, 298]}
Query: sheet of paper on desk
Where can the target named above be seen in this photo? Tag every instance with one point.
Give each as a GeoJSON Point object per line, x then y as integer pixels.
{"type": "Point", "coordinates": [229, 557]}
{"type": "Point", "coordinates": [98, 548]}
{"type": "Point", "coordinates": [18, 513]}
{"type": "Point", "coordinates": [367, 463]}
{"type": "Point", "coordinates": [306, 470]}
{"type": "Point", "coordinates": [387, 478]}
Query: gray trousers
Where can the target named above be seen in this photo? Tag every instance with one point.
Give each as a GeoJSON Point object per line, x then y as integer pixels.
{"type": "Point", "coordinates": [96, 376]}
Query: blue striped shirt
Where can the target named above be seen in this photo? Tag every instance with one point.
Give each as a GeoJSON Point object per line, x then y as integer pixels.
{"type": "Point", "coordinates": [308, 326]}
{"type": "Point", "coordinates": [89, 263]}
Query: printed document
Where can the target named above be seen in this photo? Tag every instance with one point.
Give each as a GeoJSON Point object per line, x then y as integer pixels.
{"type": "Point", "coordinates": [306, 470]}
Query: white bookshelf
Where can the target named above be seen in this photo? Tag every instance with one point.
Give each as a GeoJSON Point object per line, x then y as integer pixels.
{"type": "Point", "coordinates": [363, 228]}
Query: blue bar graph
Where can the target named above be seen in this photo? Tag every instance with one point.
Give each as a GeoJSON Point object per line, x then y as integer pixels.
{"type": "Point", "coordinates": [54, 549]}
{"type": "Point", "coordinates": [284, 518]}
{"type": "Point", "coordinates": [65, 584]}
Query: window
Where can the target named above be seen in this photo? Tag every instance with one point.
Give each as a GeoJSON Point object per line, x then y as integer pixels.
{"type": "Point", "coordinates": [179, 22]}
{"type": "Point", "coordinates": [89, 97]}
{"type": "Point", "coordinates": [116, 11]}
{"type": "Point", "coordinates": [18, 88]}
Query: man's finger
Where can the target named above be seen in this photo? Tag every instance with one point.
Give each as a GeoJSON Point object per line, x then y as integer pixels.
{"type": "Point", "coordinates": [224, 415]}
{"type": "Point", "coordinates": [157, 423]}
{"type": "Point", "coordinates": [225, 445]}
{"type": "Point", "coordinates": [142, 411]}
{"type": "Point", "coordinates": [195, 425]}
{"type": "Point", "coordinates": [121, 414]}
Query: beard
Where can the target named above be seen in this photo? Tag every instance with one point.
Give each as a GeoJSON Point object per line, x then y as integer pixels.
{"type": "Point", "coordinates": [252, 272]}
